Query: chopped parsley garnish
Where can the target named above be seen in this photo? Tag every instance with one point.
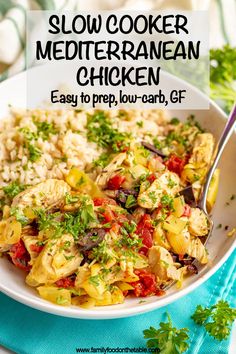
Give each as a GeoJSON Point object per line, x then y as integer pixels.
{"type": "Point", "coordinates": [174, 121]}
{"type": "Point", "coordinates": [44, 129]}
{"type": "Point", "coordinates": [70, 199]}
{"type": "Point", "coordinates": [192, 122]}
{"type": "Point", "coordinates": [60, 300]}
{"type": "Point", "coordinates": [15, 211]}
{"type": "Point", "coordinates": [130, 201]}
{"type": "Point", "coordinates": [102, 252]}
{"type": "Point", "coordinates": [69, 258]}
{"type": "Point", "coordinates": [28, 134]}
{"type": "Point", "coordinates": [47, 221]}
{"type": "Point", "coordinates": [158, 144]}
{"type": "Point", "coordinates": [140, 123]}
{"type": "Point", "coordinates": [74, 223]}
{"type": "Point", "coordinates": [65, 246]}
{"type": "Point", "coordinates": [152, 195]}
{"type": "Point", "coordinates": [100, 131]}
{"type": "Point", "coordinates": [14, 188]}
{"type": "Point", "coordinates": [103, 160]}
{"type": "Point", "coordinates": [129, 241]}
{"type": "Point", "coordinates": [173, 136]}
{"type": "Point", "coordinates": [130, 226]}
{"type": "Point", "coordinates": [94, 280]}
{"type": "Point", "coordinates": [171, 183]}
{"type": "Point", "coordinates": [167, 202]}
{"type": "Point", "coordinates": [34, 152]}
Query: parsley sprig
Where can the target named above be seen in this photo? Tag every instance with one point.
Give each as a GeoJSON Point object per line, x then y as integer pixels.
{"type": "Point", "coordinates": [223, 75]}
{"type": "Point", "coordinates": [167, 339]}
{"type": "Point", "coordinates": [216, 319]}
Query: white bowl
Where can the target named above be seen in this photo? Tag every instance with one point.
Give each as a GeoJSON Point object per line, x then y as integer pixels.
{"type": "Point", "coordinates": [220, 246]}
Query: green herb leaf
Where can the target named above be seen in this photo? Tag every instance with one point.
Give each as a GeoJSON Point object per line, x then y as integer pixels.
{"type": "Point", "coordinates": [34, 152]}
{"type": "Point", "coordinates": [130, 201]}
{"type": "Point", "coordinates": [217, 319]}
{"type": "Point", "coordinates": [71, 199]}
{"type": "Point", "coordinates": [44, 129]}
{"type": "Point", "coordinates": [15, 211]}
{"type": "Point", "coordinates": [174, 121]}
{"type": "Point", "coordinates": [167, 339]}
{"type": "Point", "coordinates": [103, 160]}
{"type": "Point", "coordinates": [100, 131]}
{"type": "Point", "coordinates": [223, 75]}
{"type": "Point", "coordinates": [13, 189]}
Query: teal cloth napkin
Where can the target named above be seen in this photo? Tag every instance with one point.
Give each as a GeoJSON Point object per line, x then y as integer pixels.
{"type": "Point", "coordinates": [25, 330]}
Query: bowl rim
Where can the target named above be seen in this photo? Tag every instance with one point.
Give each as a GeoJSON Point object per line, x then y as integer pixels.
{"type": "Point", "coordinates": [113, 313]}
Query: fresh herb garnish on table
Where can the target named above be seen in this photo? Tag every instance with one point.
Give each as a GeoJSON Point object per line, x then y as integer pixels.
{"type": "Point", "coordinates": [167, 339]}
{"type": "Point", "coordinates": [223, 75]}
{"type": "Point", "coordinates": [217, 319]}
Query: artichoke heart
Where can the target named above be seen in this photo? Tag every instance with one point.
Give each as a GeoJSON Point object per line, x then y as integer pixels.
{"type": "Point", "coordinates": [59, 258]}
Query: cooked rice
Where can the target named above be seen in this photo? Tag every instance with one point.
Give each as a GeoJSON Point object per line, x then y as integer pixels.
{"type": "Point", "coordinates": [68, 147]}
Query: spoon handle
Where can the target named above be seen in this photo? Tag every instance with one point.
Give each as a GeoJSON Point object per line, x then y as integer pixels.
{"type": "Point", "coordinates": [229, 127]}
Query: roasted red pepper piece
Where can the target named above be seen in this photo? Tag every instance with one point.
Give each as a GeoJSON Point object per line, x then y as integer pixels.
{"type": "Point", "coordinates": [103, 201]}
{"type": "Point", "coordinates": [115, 182]}
{"type": "Point", "coordinates": [176, 164]}
{"type": "Point", "coordinates": [20, 256]}
{"type": "Point", "coordinates": [108, 214]}
{"type": "Point", "coordinates": [65, 282]}
{"type": "Point", "coordinates": [146, 285]}
{"type": "Point", "coordinates": [36, 248]}
{"type": "Point", "coordinates": [145, 230]}
{"type": "Point", "coordinates": [151, 178]}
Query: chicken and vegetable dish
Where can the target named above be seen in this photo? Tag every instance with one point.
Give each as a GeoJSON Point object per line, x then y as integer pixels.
{"type": "Point", "coordinates": [113, 213]}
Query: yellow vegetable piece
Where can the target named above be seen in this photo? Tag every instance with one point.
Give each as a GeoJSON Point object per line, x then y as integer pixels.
{"type": "Point", "coordinates": [139, 156]}
{"type": "Point", "coordinates": [213, 190]}
{"type": "Point", "coordinates": [105, 300]}
{"type": "Point", "coordinates": [60, 297]}
{"type": "Point", "coordinates": [59, 260]}
{"type": "Point", "coordinates": [179, 242]}
{"type": "Point", "coordinates": [6, 212]}
{"type": "Point", "coordinates": [111, 298]}
{"type": "Point", "coordinates": [82, 274]}
{"type": "Point", "coordinates": [117, 296]}
{"type": "Point", "coordinates": [159, 237]}
{"type": "Point", "coordinates": [81, 182]}
{"type": "Point", "coordinates": [137, 171]}
{"type": "Point", "coordinates": [85, 302]}
{"type": "Point", "coordinates": [95, 269]}
{"type": "Point", "coordinates": [29, 213]}
{"type": "Point", "coordinates": [178, 205]}
{"type": "Point", "coordinates": [174, 224]}
{"type": "Point", "coordinates": [10, 231]}
{"type": "Point", "coordinates": [139, 262]}
{"type": "Point", "coordinates": [124, 286]}
{"type": "Point", "coordinates": [94, 287]}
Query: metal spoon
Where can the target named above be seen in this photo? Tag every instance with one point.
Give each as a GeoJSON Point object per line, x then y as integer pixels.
{"type": "Point", "coordinates": [227, 132]}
